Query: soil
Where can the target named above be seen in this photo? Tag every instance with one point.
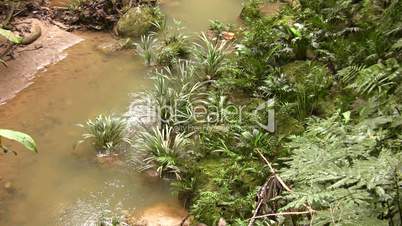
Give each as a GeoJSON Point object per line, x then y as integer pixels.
{"type": "Point", "coordinates": [30, 59]}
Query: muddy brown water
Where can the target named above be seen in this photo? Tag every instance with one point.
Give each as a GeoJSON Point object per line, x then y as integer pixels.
{"type": "Point", "coordinates": [63, 186]}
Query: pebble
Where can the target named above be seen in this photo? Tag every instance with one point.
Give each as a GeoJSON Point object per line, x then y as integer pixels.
{"type": "Point", "coordinates": [8, 186]}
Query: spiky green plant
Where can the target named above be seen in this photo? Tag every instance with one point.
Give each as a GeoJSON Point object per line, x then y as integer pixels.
{"type": "Point", "coordinates": [175, 93]}
{"type": "Point", "coordinates": [106, 133]}
{"type": "Point", "coordinates": [172, 44]}
{"type": "Point", "coordinates": [163, 150]}
{"type": "Point", "coordinates": [146, 48]}
{"type": "Point", "coordinates": [210, 56]}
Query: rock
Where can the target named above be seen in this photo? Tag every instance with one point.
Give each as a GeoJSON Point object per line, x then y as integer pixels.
{"type": "Point", "coordinates": [228, 35]}
{"type": "Point", "coordinates": [137, 21]}
{"type": "Point", "coordinates": [152, 173]}
{"type": "Point", "coordinates": [158, 215]}
{"type": "Point", "coordinates": [9, 186]}
{"type": "Point", "coordinates": [35, 33]}
{"type": "Point", "coordinates": [222, 222]}
{"type": "Point", "coordinates": [109, 161]}
{"type": "Point", "coordinates": [112, 46]}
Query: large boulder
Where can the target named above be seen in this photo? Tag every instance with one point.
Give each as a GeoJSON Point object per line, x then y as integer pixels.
{"type": "Point", "coordinates": [138, 21]}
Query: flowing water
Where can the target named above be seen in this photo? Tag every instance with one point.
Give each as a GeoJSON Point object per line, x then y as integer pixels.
{"type": "Point", "coordinates": [66, 186]}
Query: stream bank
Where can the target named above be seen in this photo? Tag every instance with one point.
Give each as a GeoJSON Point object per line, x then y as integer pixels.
{"type": "Point", "coordinates": [29, 59]}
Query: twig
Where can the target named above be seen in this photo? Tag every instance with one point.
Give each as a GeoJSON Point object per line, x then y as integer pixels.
{"type": "Point", "coordinates": [184, 220]}
{"type": "Point", "coordinates": [257, 209]}
{"type": "Point", "coordinates": [274, 172]}
{"type": "Point", "coordinates": [397, 194]}
{"type": "Point", "coordinates": [7, 50]}
{"type": "Point", "coordinates": [282, 214]}
{"type": "Point", "coordinates": [279, 179]}
{"type": "Point", "coordinates": [31, 49]}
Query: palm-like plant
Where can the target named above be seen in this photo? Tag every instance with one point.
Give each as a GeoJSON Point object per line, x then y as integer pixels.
{"type": "Point", "coordinates": [163, 149]}
{"type": "Point", "coordinates": [106, 133]}
{"type": "Point", "coordinates": [176, 93]}
{"type": "Point", "coordinates": [146, 48]}
{"type": "Point", "coordinates": [172, 44]}
{"type": "Point", "coordinates": [210, 56]}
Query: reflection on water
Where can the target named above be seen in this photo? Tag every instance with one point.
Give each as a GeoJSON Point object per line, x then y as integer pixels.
{"type": "Point", "coordinates": [63, 186]}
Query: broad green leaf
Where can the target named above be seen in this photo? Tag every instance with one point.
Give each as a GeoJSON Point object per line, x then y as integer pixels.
{"type": "Point", "coordinates": [295, 32]}
{"type": "Point", "coordinates": [10, 36]}
{"type": "Point", "coordinates": [22, 138]}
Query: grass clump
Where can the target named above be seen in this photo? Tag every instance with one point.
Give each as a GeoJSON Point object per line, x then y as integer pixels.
{"type": "Point", "coordinates": [163, 150]}
{"type": "Point", "coordinates": [169, 45]}
{"type": "Point", "coordinates": [211, 57]}
{"type": "Point", "coordinates": [106, 133]}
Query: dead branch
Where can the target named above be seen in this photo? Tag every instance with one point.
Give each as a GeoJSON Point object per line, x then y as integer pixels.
{"type": "Point", "coordinates": [274, 172]}
{"type": "Point", "coordinates": [282, 214]}
{"type": "Point", "coordinates": [182, 223]}
{"type": "Point", "coordinates": [263, 191]}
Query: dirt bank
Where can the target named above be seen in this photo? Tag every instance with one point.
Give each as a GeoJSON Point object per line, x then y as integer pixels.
{"type": "Point", "coordinates": [29, 59]}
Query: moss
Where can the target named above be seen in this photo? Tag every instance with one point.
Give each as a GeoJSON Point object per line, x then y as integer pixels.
{"type": "Point", "coordinates": [226, 188]}
{"type": "Point", "coordinates": [288, 125]}
{"type": "Point", "coordinates": [138, 21]}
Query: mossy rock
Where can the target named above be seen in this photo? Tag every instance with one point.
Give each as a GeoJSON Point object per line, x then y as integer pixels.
{"type": "Point", "coordinates": [138, 21]}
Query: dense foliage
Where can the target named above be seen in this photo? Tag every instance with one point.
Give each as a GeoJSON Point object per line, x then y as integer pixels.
{"type": "Point", "coordinates": [331, 71]}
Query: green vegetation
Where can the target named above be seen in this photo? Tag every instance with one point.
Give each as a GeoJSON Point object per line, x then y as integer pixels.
{"type": "Point", "coordinates": [20, 137]}
{"type": "Point", "coordinates": [331, 71]}
{"type": "Point", "coordinates": [163, 149]}
{"type": "Point", "coordinates": [106, 133]}
{"type": "Point", "coordinates": [10, 36]}
{"type": "Point", "coordinates": [165, 48]}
